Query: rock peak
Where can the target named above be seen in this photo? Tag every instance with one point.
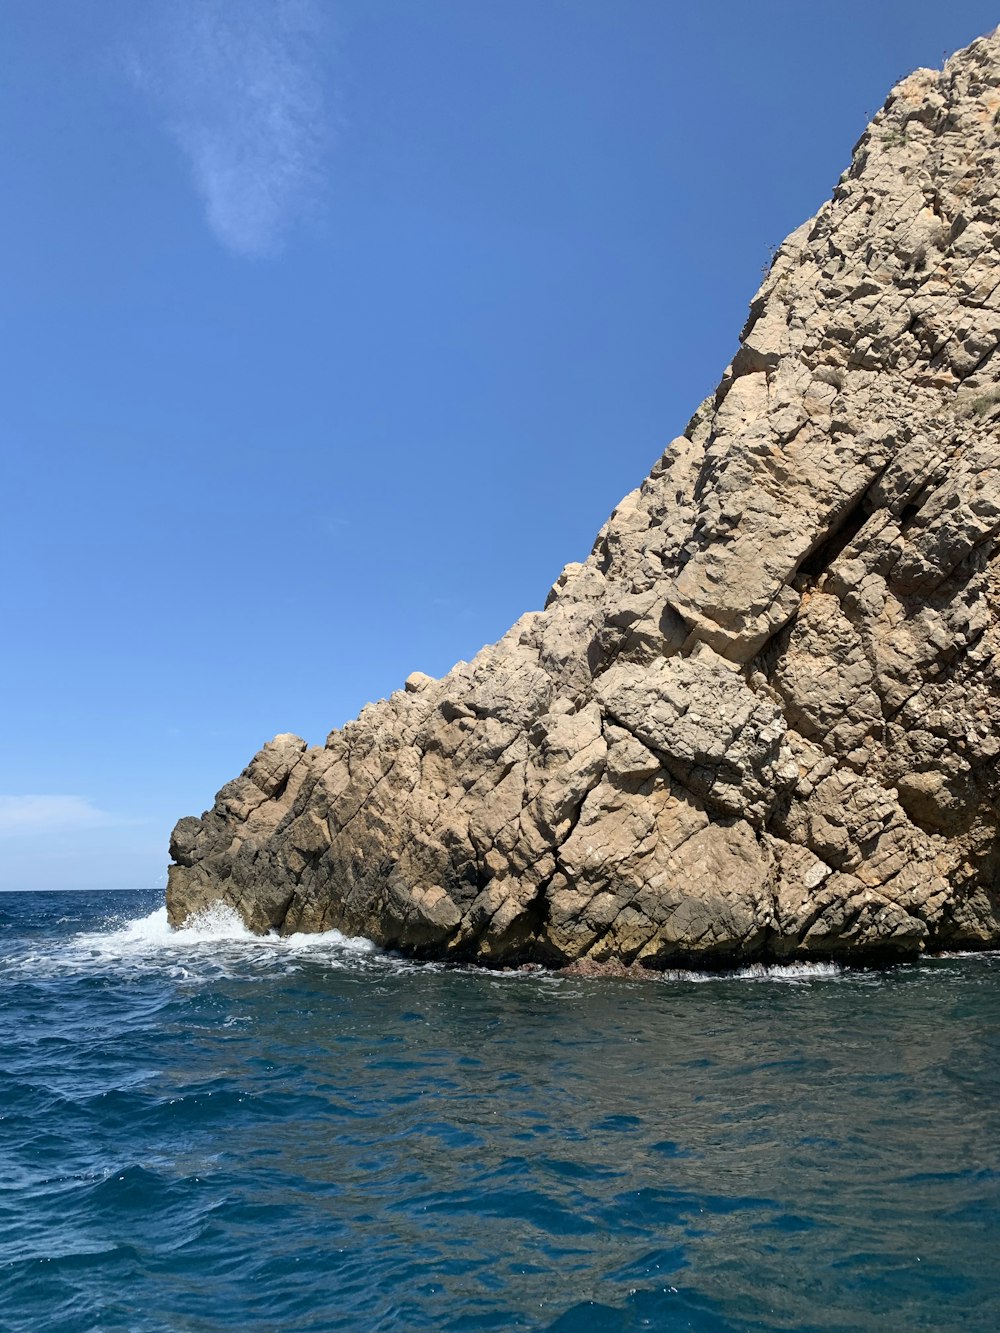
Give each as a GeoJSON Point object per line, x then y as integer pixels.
{"type": "Point", "coordinates": [762, 718]}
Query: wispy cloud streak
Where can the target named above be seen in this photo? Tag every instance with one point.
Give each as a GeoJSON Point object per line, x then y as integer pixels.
{"type": "Point", "coordinates": [48, 814]}
{"type": "Point", "coordinates": [239, 87]}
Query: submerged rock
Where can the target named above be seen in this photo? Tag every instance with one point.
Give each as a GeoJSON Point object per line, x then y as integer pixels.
{"type": "Point", "coordinates": [762, 719]}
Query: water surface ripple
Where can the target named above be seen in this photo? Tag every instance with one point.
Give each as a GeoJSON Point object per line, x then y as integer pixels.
{"type": "Point", "coordinates": [203, 1131]}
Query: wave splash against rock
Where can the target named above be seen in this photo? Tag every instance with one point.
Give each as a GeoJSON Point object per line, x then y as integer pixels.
{"type": "Point", "coordinates": [762, 719]}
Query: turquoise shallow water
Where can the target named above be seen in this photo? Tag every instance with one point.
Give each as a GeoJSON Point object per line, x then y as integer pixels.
{"type": "Point", "coordinates": [204, 1131]}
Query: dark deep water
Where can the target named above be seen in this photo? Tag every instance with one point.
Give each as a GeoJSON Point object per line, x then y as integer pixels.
{"type": "Point", "coordinates": [205, 1132]}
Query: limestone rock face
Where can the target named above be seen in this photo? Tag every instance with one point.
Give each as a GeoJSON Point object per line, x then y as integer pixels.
{"type": "Point", "coordinates": [763, 718]}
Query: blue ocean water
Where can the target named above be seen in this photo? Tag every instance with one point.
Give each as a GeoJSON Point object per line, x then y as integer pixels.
{"type": "Point", "coordinates": [204, 1131]}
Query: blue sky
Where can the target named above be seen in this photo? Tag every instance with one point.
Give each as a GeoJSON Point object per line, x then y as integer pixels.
{"type": "Point", "coordinates": [332, 330]}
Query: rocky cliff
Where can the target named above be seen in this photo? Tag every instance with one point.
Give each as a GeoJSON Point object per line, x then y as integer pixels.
{"type": "Point", "coordinates": [763, 718]}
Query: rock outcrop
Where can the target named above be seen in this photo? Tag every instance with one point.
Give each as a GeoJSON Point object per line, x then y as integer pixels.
{"type": "Point", "coordinates": [762, 719]}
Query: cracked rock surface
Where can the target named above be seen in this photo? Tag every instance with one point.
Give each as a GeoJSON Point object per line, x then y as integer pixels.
{"type": "Point", "coordinates": [762, 719]}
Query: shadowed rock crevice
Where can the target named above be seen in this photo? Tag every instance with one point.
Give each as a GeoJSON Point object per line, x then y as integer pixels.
{"type": "Point", "coordinates": [842, 533]}
{"type": "Point", "coordinates": [762, 718]}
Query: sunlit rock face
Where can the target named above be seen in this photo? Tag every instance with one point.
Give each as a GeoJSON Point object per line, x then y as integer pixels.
{"type": "Point", "coordinates": [763, 718]}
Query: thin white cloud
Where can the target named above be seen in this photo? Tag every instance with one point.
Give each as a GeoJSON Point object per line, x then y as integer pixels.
{"type": "Point", "coordinates": [239, 87]}
{"type": "Point", "coordinates": [49, 814]}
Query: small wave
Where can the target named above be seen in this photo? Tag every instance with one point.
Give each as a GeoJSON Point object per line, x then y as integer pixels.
{"type": "Point", "coordinates": [962, 953]}
{"type": "Point", "coordinates": [214, 942]}
{"type": "Point", "coordinates": [783, 972]}
{"type": "Point", "coordinates": [203, 932]}
{"type": "Point", "coordinates": [301, 943]}
{"type": "Point", "coordinates": [217, 923]}
{"type": "Point", "coordinates": [803, 971]}
{"type": "Point", "coordinates": [153, 932]}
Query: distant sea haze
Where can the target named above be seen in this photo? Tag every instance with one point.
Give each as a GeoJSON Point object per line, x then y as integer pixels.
{"type": "Point", "coordinates": [208, 1129]}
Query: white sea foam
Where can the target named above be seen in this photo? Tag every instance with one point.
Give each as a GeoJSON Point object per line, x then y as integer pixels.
{"type": "Point", "coordinates": [966, 953]}
{"type": "Point", "coordinates": [150, 935]}
{"type": "Point", "coordinates": [786, 972]}
{"type": "Point", "coordinates": [214, 942]}
{"type": "Point", "coordinates": [215, 923]}
{"type": "Point", "coordinates": [803, 971]}
{"type": "Point", "coordinates": [302, 943]}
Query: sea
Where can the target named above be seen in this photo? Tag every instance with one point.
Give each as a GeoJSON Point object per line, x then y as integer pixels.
{"type": "Point", "coordinates": [205, 1130]}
